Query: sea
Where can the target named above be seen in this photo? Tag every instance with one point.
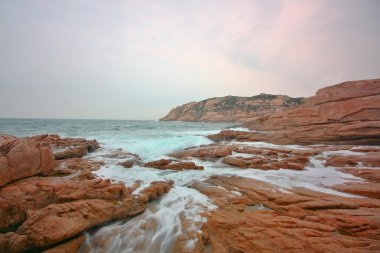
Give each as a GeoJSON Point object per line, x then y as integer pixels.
{"type": "Point", "coordinates": [160, 226]}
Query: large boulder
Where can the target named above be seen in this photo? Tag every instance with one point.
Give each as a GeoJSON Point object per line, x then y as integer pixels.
{"type": "Point", "coordinates": [21, 158]}
{"type": "Point", "coordinates": [4, 138]}
{"type": "Point", "coordinates": [64, 148]}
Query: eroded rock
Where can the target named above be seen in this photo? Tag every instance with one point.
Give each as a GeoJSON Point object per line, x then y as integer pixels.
{"type": "Point", "coordinates": [255, 216]}
{"type": "Point", "coordinates": [231, 108]}
{"type": "Point", "coordinates": [35, 193]}
{"type": "Point", "coordinates": [41, 226]}
{"type": "Point", "coordinates": [338, 114]}
{"type": "Point", "coordinates": [204, 152]}
{"type": "Point", "coordinates": [64, 148]}
{"type": "Point", "coordinates": [21, 158]}
{"type": "Point", "coordinates": [169, 164]}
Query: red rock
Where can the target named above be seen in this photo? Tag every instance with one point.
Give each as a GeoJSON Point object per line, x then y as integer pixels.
{"type": "Point", "coordinates": [5, 138]}
{"type": "Point", "coordinates": [40, 228]}
{"type": "Point", "coordinates": [265, 158]}
{"type": "Point", "coordinates": [204, 152]}
{"type": "Point", "coordinates": [70, 152]}
{"type": "Point", "coordinates": [127, 164]}
{"type": "Point", "coordinates": [37, 192]}
{"type": "Point", "coordinates": [71, 246]}
{"type": "Point", "coordinates": [12, 242]}
{"type": "Point", "coordinates": [75, 167]}
{"type": "Point", "coordinates": [184, 166]}
{"type": "Point", "coordinates": [344, 91]}
{"type": "Point", "coordinates": [168, 164]}
{"type": "Point", "coordinates": [128, 159]}
{"type": "Point", "coordinates": [64, 201]}
{"type": "Point", "coordinates": [155, 190]}
{"type": "Point", "coordinates": [241, 162]}
{"type": "Point", "coordinates": [347, 113]}
{"type": "Point", "coordinates": [372, 175]}
{"type": "Point", "coordinates": [23, 158]}
{"type": "Point", "coordinates": [231, 108]}
{"type": "Point", "coordinates": [265, 219]}
{"type": "Point", "coordinates": [158, 164]}
{"type": "Point", "coordinates": [371, 190]}
{"type": "Point", "coordinates": [68, 147]}
{"type": "Point", "coordinates": [371, 159]}
{"type": "Point", "coordinates": [262, 163]}
{"type": "Point", "coordinates": [72, 218]}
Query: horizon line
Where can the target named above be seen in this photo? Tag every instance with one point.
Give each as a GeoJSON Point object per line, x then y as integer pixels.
{"type": "Point", "coordinates": [37, 118]}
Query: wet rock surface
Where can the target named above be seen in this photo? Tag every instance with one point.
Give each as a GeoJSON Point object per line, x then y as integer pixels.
{"type": "Point", "coordinates": [236, 195]}
{"type": "Point", "coordinates": [169, 164]}
{"type": "Point", "coordinates": [251, 215]}
{"type": "Point", "coordinates": [264, 218]}
{"type": "Point", "coordinates": [268, 158]}
{"type": "Point", "coordinates": [64, 148]}
{"type": "Point", "coordinates": [21, 158]}
{"type": "Point", "coordinates": [204, 152]}
{"type": "Point", "coordinates": [46, 199]}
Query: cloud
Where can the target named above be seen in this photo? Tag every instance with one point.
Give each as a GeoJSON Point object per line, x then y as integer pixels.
{"type": "Point", "coordinates": [153, 55]}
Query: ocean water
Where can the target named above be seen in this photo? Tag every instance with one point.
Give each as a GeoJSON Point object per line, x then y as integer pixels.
{"type": "Point", "coordinates": [150, 139]}
{"type": "Point", "coordinates": [160, 226]}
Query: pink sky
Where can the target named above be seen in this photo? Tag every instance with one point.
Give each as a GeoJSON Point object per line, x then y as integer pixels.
{"type": "Point", "coordinates": [138, 59]}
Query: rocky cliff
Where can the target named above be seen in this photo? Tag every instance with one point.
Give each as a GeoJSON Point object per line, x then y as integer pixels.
{"type": "Point", "coordinates": [231, 108]}
{"type": "Point", "coordinates": [346, 113]}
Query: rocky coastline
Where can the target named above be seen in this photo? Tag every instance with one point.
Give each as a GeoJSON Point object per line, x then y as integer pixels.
{"type": "Point", "coordinates": [231, 108]}
{"type": "Point", "coordinates": [50, 196]}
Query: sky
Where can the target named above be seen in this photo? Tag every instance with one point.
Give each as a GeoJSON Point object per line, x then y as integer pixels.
{"type": "Point", "coordinates": [138, 59]}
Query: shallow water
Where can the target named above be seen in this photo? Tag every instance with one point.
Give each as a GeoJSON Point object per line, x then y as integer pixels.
{"type": "Point", "coordinates": [160, 226]}
{"type": "Point", "coordinates": [148, 138]}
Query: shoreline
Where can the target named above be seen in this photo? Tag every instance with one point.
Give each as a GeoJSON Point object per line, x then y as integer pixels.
{"type": "Point", "coordinates": [237, 197]}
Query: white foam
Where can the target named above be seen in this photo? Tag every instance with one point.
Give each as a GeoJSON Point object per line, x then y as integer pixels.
{"type": "Point", "coordinates": [260, 144]}
{"type": "Point", "coordinates": [341, 152]}
{"type": "Point", "coordinates": [315, 177]}
{"type": "Point", "coordinates": [244, 129]}
{"type": "Point", "coordinates": [158, 228]}
{"type": "Point", "coordinates": [244, 155]}
{"type": "Point", "coordinates": [186, 204]}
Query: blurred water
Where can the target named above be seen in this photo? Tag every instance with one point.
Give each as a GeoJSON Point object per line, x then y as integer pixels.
{"type": "Point", "coordinates": [150, 139]}
{"type": "Point", "coordinates": [160, 226]}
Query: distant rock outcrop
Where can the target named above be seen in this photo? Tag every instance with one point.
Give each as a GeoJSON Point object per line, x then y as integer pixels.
{"type": "Point", "coordinates": [231, 108]}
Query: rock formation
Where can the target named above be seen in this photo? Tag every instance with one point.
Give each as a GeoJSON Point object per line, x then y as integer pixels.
{"type": "Point", "coordinates": [21, 158]}
{"type": "Point", "coordinates": [346, 113]}
{"type": "Point", "coordinates": [231, 108]}
{"type": "Point", "coordinates": [169, 164]}
{"type": "Point", "coordinates": [49, 195]}
{"type": "Point", "coordinates": [264, 218]}
{"type": "Point", "coordinates": [45, 201]}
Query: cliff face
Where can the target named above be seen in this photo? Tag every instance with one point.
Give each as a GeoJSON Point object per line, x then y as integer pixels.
{"type": "Point", "coordinates": [231, 108]}
{"type": "Point", "coordinates": [346, 113]}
